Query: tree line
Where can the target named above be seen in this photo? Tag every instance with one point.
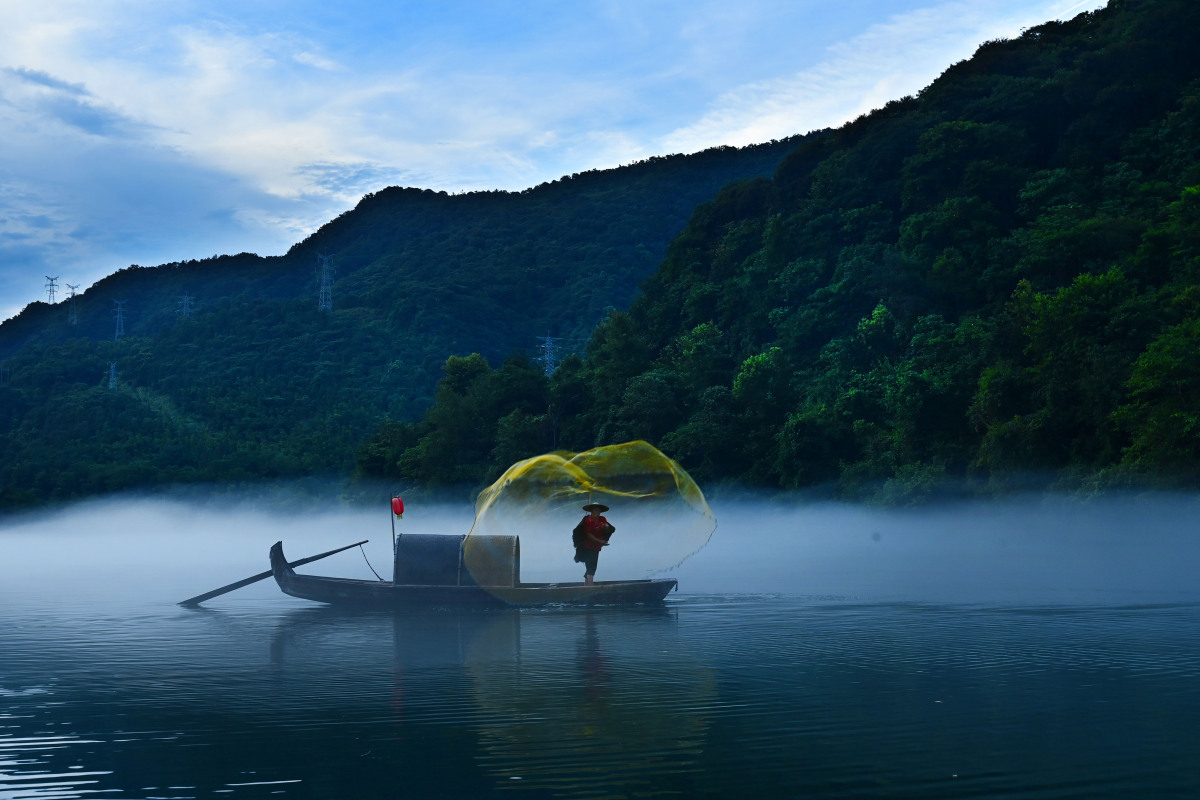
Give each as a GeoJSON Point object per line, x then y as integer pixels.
{"type": "Point", "coordinates": [257, 384]}
{"type": "Point", "coordinates": [987, 287]}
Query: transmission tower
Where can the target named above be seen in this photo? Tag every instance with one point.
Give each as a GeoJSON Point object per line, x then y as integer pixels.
{"type": "Point", "coordinates": [185, 305]}
{"type": "Point", "coordinates": [72, 317]}
{"type": "Point", "coordinates": [549, 357]}
{"type": "Point", "coordinates": [51, 287]}
{"type": "Point", "coordinates": [120, 331]}
{"type": "Point", "coordinates": [112, 374]}
{"type": "Point", "coordinates": [325, 303]}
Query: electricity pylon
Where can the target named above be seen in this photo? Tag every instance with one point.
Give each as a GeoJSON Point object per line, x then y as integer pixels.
{"type": "Point", "coordinates": [72, 317]}
{"type": "Point", "coordinates": [549, 357]}
{"type": "Point", "coordinates": [120, 331]}
{"type": "Point", "coordinates": [325, 302]}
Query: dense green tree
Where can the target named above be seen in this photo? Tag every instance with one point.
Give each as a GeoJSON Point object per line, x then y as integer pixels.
{"type": "Point", "coordinates": [1162, 408]}
{"type": "Point", "coordinates": [290, 391]}
{"type": "Point", "coordinates": [990, 280]}
{"type": "Point", "coordinates": [963, 289]}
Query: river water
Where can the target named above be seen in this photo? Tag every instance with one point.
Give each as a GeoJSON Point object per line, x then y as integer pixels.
{"type": "Point", "coordinates": [985, 652]}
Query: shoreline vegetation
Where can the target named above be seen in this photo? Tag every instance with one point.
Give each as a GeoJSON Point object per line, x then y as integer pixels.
{"type": "Point", "coordinates": [990, 288]}
{"type": "Point", "coordinates": [986, 289]}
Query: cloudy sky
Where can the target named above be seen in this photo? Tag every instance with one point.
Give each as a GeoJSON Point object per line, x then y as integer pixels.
{"type": "Point", "coordinates": [144, 132]}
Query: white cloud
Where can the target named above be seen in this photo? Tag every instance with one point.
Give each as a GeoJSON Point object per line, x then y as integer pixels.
{"type": "Point", "coordinates": [147, 132]}
{"type": "Point", "coordinates": [314, 60]}
{"type": "Point", "coordinates": [889, 60]}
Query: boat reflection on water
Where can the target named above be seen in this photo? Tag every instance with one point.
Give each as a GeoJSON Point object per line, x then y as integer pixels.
{"type": "Point", "coordinates": [552, 698]}
{"type": "Point", "coordinates": [591, 694]}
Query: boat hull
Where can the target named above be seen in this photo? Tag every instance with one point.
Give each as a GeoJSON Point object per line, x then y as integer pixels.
{"type": "Point", "coordinates": [387, 594]}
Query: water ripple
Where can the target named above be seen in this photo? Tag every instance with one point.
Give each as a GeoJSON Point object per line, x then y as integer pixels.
{"type": "Point", "coordinates": [711, 696]}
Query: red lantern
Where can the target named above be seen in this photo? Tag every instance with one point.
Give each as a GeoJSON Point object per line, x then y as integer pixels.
{"type": "Point", "coordinates": [398, 506]}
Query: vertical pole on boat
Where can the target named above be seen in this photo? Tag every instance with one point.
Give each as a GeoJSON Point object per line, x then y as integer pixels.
{"type": "Point", "coordinates": [397, 512]}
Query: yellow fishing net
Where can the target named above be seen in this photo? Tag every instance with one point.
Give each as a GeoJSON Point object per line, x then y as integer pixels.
{"type": "Point", "coordinates": [659, 512]}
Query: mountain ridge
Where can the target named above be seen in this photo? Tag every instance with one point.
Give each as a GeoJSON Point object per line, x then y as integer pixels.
{"type": "Point", "coordinates": [987, 287]}
{"type": "Point", "coordinates": [418, 275]}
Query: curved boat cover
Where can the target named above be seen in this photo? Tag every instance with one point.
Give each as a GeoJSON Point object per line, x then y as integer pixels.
{"type": "Point", "coordinates": [437, 560]}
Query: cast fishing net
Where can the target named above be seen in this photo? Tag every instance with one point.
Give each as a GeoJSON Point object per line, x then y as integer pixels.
{"type": "Point", "coordinates": [659, 513]}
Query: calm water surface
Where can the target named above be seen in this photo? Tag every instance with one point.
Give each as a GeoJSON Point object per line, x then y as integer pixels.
{"type": "Point", "coordinates": [113, 692]}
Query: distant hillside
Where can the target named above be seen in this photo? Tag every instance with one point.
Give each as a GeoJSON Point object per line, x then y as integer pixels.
{"type": "Point", "coordinates": [992, 285]}
{"type": "Point", "coordinates": [257, 383]}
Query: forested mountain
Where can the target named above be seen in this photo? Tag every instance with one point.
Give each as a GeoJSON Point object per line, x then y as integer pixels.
{"type": "Point", "coordinates": [992, 283]}
{"type": "Point", "coordinates": [246, 379]}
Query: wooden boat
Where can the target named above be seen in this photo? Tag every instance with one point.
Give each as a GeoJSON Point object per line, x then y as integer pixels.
{"type": "Point", "coordinates": [436, 570]}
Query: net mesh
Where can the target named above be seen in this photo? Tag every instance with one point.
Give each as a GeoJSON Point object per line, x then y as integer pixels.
{"type": "Point", "coordinates": [660, 514]}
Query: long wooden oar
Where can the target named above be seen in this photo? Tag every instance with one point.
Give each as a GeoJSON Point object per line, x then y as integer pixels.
{"type": "Point", "coordinates": [200, 598]}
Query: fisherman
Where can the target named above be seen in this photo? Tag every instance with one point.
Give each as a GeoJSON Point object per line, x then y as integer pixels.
{"type": "Point", "coordinates": [590, 535]}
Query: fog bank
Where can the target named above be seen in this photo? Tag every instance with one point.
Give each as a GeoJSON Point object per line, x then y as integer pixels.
{"type": "Point", "coordinates": [1033, 550]}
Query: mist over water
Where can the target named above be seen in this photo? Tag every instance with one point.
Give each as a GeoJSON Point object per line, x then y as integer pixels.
{"type": "Point", "coordinates": [1039, 647]}
{"type": "Point", "coordinates": [1023, 550]}
{"type": "Point", "coordinates": [1026, 550]}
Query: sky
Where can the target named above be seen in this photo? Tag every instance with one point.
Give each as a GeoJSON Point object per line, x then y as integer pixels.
{"type": "Point", "coordinates": [143, 132]}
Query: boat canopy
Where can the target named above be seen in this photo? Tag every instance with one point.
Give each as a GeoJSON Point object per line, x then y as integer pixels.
{"type": "Point", "coordinates": [437, 560]}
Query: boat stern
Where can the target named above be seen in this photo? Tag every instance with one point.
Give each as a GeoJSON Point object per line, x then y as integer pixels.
{"type": "Point", "coordinates": [279, 564]}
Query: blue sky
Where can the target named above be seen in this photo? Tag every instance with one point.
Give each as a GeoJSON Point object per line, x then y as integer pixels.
{"type": "Point", "coordinates": [144, 132]}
